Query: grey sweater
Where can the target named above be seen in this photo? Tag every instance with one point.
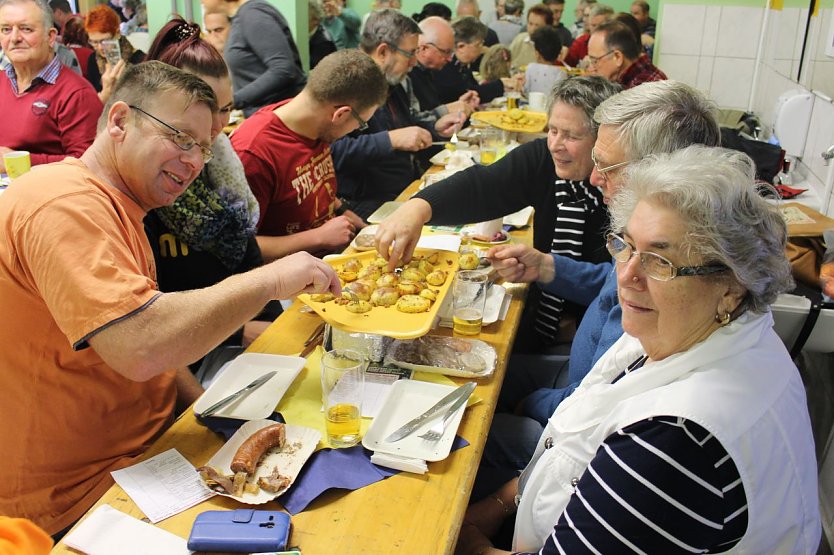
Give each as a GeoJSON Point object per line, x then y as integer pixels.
{"type": "Point", "coordinates": [262, 56]}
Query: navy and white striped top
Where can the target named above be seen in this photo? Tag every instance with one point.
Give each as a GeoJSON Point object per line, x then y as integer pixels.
{"type": "Point", "coordinates": [661, 485]}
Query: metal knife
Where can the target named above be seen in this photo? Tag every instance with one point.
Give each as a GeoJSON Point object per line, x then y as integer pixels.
{"type": "Point", "coordinates": [456, 397]}
{"type": "Point", "coordinates": [238, 394]}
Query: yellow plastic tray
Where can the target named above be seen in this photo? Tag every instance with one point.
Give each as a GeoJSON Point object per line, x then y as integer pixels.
{"type": "Point", "coordinates": [536, 123]}
{"type": "Point", "coordinates": [386, 321]}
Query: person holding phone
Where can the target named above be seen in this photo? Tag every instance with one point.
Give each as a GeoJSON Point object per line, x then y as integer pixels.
{"type": "Point", "coordinates": [113, 51]}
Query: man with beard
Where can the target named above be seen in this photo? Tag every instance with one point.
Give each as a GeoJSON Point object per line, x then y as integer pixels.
{"type": "Point", "coordinates": [374, 164]}
{"type": "Point", "coordinates": [285, 150]}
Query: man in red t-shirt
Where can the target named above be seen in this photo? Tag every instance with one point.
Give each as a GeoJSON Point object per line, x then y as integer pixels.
{"type": "Point", "coordinates": [285, 150]}
{"type": "Point", "coordinates": [46, 108]}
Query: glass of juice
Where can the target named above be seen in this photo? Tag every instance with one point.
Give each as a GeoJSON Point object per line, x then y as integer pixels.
{"type": "Point", "coordinates": [469, 292]}
{"type": "Point", "coordinates": [342, 386]}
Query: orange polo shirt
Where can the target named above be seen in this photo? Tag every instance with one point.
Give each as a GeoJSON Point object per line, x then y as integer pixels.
{"type": "Point", "coordinates": [74, 258]}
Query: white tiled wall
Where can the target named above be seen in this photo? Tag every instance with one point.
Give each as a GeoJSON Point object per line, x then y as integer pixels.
{"type": "Point", "coordinates": [713, 48]}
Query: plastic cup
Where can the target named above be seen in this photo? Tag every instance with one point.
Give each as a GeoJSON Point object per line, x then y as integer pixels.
{"type": "Point", "coordinates": [468, 301]}
{"type": "Point", "coordinates": [342, 387]}
{"type": "Point", "coordinates": [536, 101]}
{"type": "Point", "coordinates": [17, 163]}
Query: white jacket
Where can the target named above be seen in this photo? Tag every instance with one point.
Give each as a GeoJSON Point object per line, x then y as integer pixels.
{"type": "Point", "coordinates": [739, 384]}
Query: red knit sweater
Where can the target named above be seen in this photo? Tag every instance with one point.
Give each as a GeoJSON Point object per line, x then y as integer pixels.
{"type": "Point", "coordinates": [50, 121]}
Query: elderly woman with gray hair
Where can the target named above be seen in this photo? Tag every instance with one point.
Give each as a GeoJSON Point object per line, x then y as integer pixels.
{"type": "Point", "coordinates": [691, 434]}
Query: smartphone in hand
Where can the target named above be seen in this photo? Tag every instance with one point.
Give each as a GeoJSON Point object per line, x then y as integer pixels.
{"type": "Point", "coordinates": [112, 51]}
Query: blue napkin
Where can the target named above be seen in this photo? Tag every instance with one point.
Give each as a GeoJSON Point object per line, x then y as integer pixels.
{"type": "Point", "coordinates": [228, 426]}
{"type": "Point", "coordinates": [347, 469]}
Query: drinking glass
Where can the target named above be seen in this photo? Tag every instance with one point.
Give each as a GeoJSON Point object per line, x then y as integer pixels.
{"type": "Point", "coordinates": [342, 386]}
{"type": "Point", "coordinates": [469, 292]}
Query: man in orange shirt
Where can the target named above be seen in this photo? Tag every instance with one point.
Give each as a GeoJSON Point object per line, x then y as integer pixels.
{"type": "Point", "coordinates": [88, 341]}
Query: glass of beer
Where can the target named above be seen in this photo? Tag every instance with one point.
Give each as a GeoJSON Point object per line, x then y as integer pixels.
{"type": "Point", "coordinates": [512, 100]}
{"type": "Point", "coordinates": [469, 292]}
{"type": "Point", "coordinates": [342, 387]}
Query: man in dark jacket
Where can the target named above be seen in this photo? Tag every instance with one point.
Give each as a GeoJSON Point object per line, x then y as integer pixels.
{"type": "Point", "coordinates": [375, 163]}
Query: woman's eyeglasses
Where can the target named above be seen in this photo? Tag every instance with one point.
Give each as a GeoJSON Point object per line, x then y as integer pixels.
{"type": "Point", "coordinates": [655, 266]}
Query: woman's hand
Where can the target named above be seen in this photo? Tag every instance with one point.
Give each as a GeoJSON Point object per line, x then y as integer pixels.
{"type": "Point", "coordinates": [398, 234]}
{"type": "Point", "coordinates": [522, 264]}
{"type": "Point", "coordinates": [108, 80]}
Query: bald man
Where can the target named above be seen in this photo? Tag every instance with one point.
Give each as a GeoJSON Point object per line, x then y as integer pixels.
{"type": "Point", "coordinates": [436, 44]}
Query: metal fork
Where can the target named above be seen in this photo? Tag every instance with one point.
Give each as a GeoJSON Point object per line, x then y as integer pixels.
{"type": "Point", "coordinates": [439, 427]}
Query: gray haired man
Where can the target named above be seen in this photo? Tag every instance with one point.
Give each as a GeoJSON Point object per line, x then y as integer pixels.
{"type": "Point", "coordinates": [652, 118]}
{"type": "Point", "coordinates": [375, 163]}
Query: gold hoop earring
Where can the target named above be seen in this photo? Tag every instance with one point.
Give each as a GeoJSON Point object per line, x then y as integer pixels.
{"type": "Point", "coordinates": [723, 320]}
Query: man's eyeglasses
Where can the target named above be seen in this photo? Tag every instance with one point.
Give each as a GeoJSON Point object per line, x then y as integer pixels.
{"type": "Point", "coordinates": [654, 265]}
{"type": "Point", "coordinates": [606, 169]}
{"type": "Point", "coordinates": [363, 125]}
{"type": "Point", "coordinates": [406, 53]}
{"type": "Point", "coordinates": [447, 53]}
{"type": "Point", "coordinates": [180, 138]}
{"type": "Point", "coordinates": [593, 60]}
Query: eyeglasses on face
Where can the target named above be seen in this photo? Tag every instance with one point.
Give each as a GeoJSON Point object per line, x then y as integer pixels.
{"type": "Point", "coordinates": [606, 169]}
{"type": "Point", "coordinates": [446, 53]}
{"type": "Point", "coordinates": [363, 125]}
{"type": "Point", "coordinates": [655, 266]}
{"type": "Point", "coordinates": [95, 43]}
{"type": "Point", "coordinates": [180, 138]}
{"type": "Point", "coordinates": [408, 54]}
{"type": "Point", "coordinates": [594, 60]}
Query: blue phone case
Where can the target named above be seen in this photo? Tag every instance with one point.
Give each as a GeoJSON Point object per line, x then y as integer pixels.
{"type": "Point", "coordinates": [240, 531]}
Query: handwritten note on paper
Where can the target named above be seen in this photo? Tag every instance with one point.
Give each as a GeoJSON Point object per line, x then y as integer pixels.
{"type": "Point", "coordinates": [163, 485]}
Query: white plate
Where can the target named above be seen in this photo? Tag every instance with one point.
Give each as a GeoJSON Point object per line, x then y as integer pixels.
{"type": "Point", "coordinates": [241, 372]}
{"type": "Point", "coordinates": [384, 211]}
{"type": "Point", "coordinates": [397, 353]}
{"type": "Point", "coordinates": [520, 218]}
{"type": "Point", "coordinates": [441, 157]}
{"type": "Point", "coordinates": [301, 442]}
{"type": "Point", "coordinates": [369, 230]}
{"type": "Point", "coordinates": [407, 400]}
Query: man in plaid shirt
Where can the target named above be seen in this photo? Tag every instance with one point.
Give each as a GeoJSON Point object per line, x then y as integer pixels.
{"type": "Point", "coordinates": [614, 52]}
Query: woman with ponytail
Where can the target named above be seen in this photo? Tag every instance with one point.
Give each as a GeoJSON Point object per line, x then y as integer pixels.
{"type": "Point", "coordinates": [208, 233]}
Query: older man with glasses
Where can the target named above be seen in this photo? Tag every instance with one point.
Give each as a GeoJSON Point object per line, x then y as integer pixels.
{"type": "Point", "coordinates": [285, 150]}
{"type": "Point", "coordinates": [375, 165]}
{"type": "Point", "coordinates": [89, 341]}
{"type": "Point", "coordinates": [47, 109]}
{"type": "Point", "coordinates": [653, 118]}
{"type": "Point", "coordinates": [616, 54]}
{"type": "Point", "coordinates": [436, 46]}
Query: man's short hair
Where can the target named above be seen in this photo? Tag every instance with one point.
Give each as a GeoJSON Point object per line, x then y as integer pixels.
{"type": "Point", "coordinates": [542, 11]}
{"type": "Point", "coordinates": [149, 81]}
{"type": "Point", "coordinates": [469, 30]}
{"type": "Point", "coordinates": [551, 2]}
{"type": "Point", "coordinates": [387, 26]}
{"type": "Point", "coordinates": [631, 22]}
{"type": "Point", "coordinates": [513, 7]}
{"type": "Point", "coordinates": [619, 36]}
{"type": "Point", "coordinates": [348, 77]}
{"type": "Point", "coordinates": [62, 5]}
{"type": "Point", "coordinates": [660, 116]}
{"type": "Point", "coordinates": [644, 6]}
{"type": "Point", "coordinates": [46, 12]}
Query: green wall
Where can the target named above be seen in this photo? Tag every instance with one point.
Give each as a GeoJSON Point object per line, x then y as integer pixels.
{"type": "Point", "coordinates": [295, 11]}
{"type": "Point", "coordinates": [411, 7]}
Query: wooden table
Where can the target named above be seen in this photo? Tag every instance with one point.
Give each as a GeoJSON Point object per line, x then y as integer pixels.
{"type": "Point", "coordinates": [406, 513]}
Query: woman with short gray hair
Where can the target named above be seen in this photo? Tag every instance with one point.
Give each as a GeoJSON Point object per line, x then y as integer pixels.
{"type": "Point", "coordinates": [691, 434]}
